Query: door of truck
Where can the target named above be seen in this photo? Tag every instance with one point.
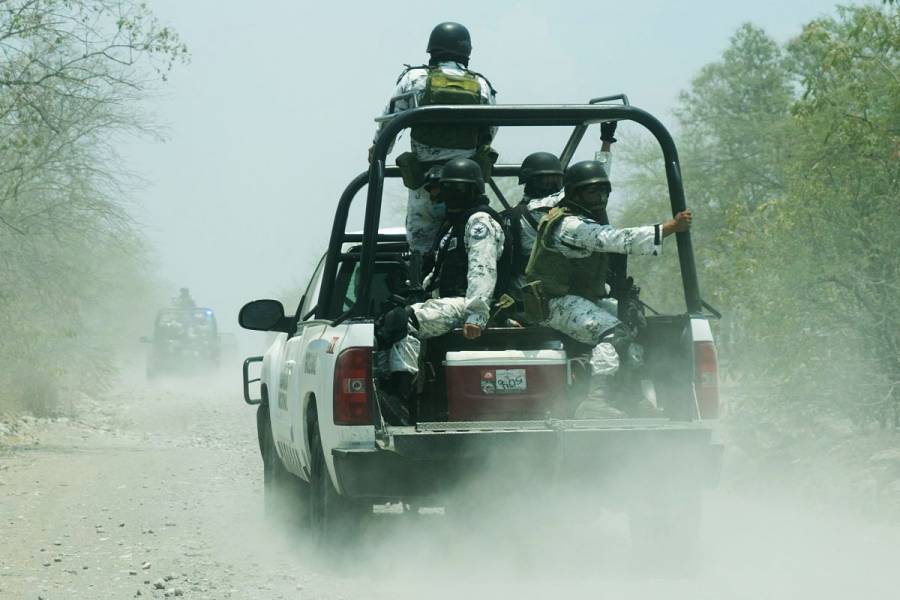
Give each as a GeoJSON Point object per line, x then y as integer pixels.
{"type": "Point", "coordinates": [302, 368]}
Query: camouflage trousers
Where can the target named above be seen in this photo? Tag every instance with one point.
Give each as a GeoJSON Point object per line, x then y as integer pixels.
{"type": "Point", "coordinates": [436, 316]}
{"type": "Point", "coordinates": [421, 224]}
{"type": "Point", "coordinates": [589, 323]}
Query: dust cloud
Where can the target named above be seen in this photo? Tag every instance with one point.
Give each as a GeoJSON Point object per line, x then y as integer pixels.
{"type": "Point", "coordinates": [561, 544]}
{"type": "Point", "coordinates": [176, 462]}
{"type": "Point", "coordinates": [115, 486]}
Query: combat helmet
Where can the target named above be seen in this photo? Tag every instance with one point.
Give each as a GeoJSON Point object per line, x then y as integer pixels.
{"type": "Point", "coordinates": [450, 39]}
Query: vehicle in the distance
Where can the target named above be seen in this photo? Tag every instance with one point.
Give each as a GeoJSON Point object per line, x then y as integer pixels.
{"type": "Point", "coordinates": [505, 400]}
{"type": "Point", "coordinates": [185, 341]}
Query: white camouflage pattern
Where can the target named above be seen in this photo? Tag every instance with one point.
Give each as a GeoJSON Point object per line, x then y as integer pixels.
{"type": "Point", "coordinates": [414, 81]}
{"type": "Point", "coordinates": [577, 317]}
{"type": "Point", "coordinates": [577, 236]}
{"type": "Point", "coordinates": [604, 360]}
{"type": "Point", "coordinates": [404, 355]}
{"type": "Point", "coordinates": [422, 225]}
{"type": "Point", "coordinates": [484, 244]}
{"type": "Point", "coordinates": [484, 241]}
{"type": "Point", "coordinates": [436, 316]}
{"type": "Point", "coordinates": [539, 207]}
{"type": "Point", "coordinates": [581, 319]}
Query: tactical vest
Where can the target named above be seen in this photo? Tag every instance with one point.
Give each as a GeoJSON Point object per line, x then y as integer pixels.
{"type": "Point", "coordinates": [451, 263]}
{"type": "Point", "coordinates": [514, 216]}
{"type": "Point", "coordinates": [455, 90]}
{"type": "Point", "coordinates": [560, 275]}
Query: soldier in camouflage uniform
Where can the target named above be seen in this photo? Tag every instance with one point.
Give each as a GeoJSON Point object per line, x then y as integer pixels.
{"type": "Point", "coordinates": [469, 249]}
{"type": "Point", "coordinates": [446, 79]}
{"type": "Point", "coordinates": [566, 272]}
{"type": "Point", "coordinates": [467, 271]}
{"type": "Point", "coordinates": [541, 174]}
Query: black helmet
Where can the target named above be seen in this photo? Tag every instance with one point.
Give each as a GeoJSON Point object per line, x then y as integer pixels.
{"type": "Point", "coordinates": [450, 38]}
{"type": "Point", "coordinates": [539, 163]}
{"type": "Point", "coordinates": [585, 173]}
{"type": "Point", "coordinates": [463, 170]}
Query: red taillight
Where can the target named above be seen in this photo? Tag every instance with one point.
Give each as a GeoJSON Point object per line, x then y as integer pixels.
{"type": "Point", "coordinates": [352, 387]}
{"type": "Point", "coordinates": [706, 379]}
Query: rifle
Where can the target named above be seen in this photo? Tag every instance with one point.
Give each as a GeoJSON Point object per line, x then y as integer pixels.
{"type": "Point", "coordinates": [627, 294]}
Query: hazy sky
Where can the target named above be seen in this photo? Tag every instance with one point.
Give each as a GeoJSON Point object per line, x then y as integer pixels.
{"type": "Point", "coordinates": [273, 115]}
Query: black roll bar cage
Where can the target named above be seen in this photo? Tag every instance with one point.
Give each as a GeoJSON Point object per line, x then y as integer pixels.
{"type": "Point", "coordinates": [579, 116]}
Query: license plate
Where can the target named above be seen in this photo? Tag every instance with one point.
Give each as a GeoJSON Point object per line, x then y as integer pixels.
{"type": "Point", "coordinates": [504, 381]}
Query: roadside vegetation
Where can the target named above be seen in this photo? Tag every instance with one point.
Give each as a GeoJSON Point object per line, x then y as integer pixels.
{"type": "Point", "coordinates": [791, 162]}
{"type": "Point", "coordinates": [73, 266]}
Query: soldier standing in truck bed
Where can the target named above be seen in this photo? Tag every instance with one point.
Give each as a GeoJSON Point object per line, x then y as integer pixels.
{"type": "Point", "coordinates": [445, 80]}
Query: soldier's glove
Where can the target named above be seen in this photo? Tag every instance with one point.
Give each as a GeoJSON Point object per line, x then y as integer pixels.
{"type": "Point", "coordinates": [608, 131]}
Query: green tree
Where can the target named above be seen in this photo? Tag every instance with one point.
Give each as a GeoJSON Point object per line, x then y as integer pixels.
{"type": "Point", "coordinates": [845, 184]}
{"type": "Point", "coordinates": [790, 161]}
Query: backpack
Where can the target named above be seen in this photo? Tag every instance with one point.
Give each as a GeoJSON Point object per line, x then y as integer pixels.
{"type": "Point", "coordinates": [443, 88]}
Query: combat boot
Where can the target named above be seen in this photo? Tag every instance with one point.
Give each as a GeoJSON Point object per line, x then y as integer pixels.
{"type": "Point", "coordinates": [393, 399]}
{"type": "Point", "coordinates": [644, 409]}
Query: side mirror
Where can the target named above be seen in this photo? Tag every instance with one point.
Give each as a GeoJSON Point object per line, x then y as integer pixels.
{"type": "Point", "coordinates": [265, 315]}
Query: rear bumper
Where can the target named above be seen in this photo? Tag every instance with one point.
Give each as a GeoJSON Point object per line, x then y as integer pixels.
{"type": "Point", "coordinates": [434, 458]}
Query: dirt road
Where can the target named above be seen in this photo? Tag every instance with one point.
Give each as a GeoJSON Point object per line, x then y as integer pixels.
{"type": "Point", "coordinates": [157, 492]}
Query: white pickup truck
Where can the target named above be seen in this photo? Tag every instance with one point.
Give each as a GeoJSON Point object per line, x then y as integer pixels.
{"type": "Point", "coordinates": [507, 394]}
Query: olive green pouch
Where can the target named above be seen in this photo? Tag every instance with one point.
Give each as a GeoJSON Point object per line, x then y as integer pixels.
{"type": "Point", "coordinates": [537, 306]}
{"type": "Point", "coordinates": [411, 170]}
{"type": "Point", "coordinates": [486, 157]}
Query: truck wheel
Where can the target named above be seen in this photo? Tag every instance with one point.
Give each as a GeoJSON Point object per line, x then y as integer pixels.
{"type": "Point", "coordinates": [285, 496]}
{"type": "Point", "coordinates": [665, 534]}
{"type": "Point", "coordinates": [333, 518]}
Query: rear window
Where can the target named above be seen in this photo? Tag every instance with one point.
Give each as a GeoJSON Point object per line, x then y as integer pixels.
{"type": "Point", "coordinates": [388, 280]}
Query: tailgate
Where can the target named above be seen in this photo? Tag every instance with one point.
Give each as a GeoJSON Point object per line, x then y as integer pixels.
{"type": "Point", "coordinates": [471, 439]}
{"type": "Point", "coordinates": [431, 457]}
{"type": "Point", "coordinates": [653, 447]}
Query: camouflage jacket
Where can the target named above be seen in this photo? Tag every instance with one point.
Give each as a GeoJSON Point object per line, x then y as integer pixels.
{"type": "Point", "coordinates": [484, 241]}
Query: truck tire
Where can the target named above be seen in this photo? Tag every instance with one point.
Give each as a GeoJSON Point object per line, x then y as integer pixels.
{"type": "Point", "coordinates": [334, 519]}
{"type": "Point", "coordinates": [284, 495]}
{"type": "Point", "coordinates": [665, 534]}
